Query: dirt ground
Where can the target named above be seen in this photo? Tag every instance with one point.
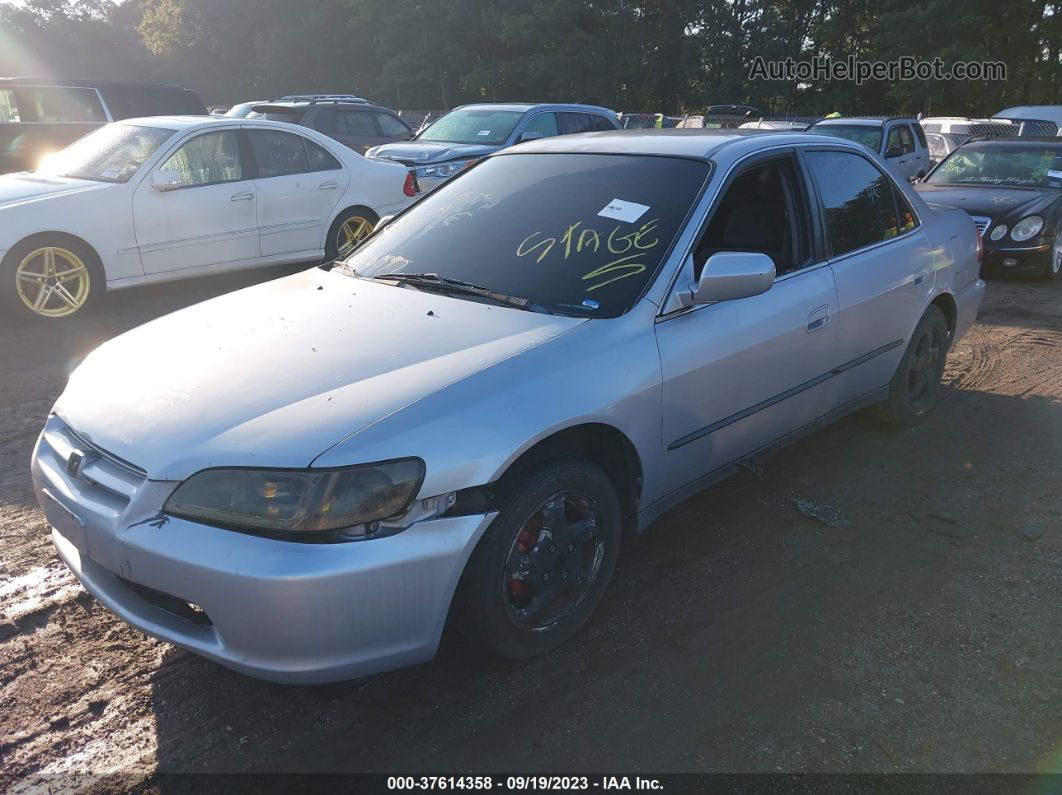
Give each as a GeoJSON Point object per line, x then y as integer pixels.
{"type": "Point", "coordinates": [737, 636]}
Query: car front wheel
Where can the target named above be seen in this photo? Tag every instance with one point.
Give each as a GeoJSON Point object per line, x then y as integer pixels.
{"type": "Point", "coordinates": [545, 561]}
{"type": "Point", "coordinates": [913, 389]}
{"type": "Point", "coordinates": [49, 278]}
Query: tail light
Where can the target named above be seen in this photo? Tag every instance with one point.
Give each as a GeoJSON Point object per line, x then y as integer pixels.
{"type": "Point", "coordinates": [980, 248]}
{"type": "Point", "coordinates": [411, 188]}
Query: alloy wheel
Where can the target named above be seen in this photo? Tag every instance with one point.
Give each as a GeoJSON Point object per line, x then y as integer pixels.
{"type": "Point", "coordinates": [53, 282]}
{"type": "Point", "coordinates": [553, 562]}
{"type": "Point", "coordinates": [351, 232]}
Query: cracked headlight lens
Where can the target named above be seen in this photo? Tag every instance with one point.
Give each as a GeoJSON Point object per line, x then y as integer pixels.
{"type": "Point", "coordinates": [298, 501]}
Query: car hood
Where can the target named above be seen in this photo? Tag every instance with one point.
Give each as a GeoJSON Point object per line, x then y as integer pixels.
{"type": "Point", "coordinates": [424, 152]}
{"type": "Point", "coordinates": [275, 374]}
{"type": "Point", "coordinates": [989, 201]}
{"type": "Point", "coordinates": [26, 186]}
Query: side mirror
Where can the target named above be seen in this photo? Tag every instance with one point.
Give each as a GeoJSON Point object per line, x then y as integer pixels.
{"type": "Point", "coordinates": [164, 179]}
{"type": "Point", "coordinates": [530, 135]}
{"type": "Point", "coordinates": [729, 275]}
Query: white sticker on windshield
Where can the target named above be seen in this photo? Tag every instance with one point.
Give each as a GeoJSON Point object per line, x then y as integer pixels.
{"type": "Point", "coordinates": [483, 132]}
{"type": "Point", "coordinates": [111, 173]}
{"type": "Point", "coordinates": [1052, 174]}
{"type": "Point", "coordinates": [624, 211]}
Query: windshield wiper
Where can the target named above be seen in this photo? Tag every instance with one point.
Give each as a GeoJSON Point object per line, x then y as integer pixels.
{"type": "Point", "coordinates": [457, 286]}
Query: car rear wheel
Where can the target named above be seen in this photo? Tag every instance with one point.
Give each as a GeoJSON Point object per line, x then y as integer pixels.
{"type": "Point", "coordinates": [348, 230]}
{"type": "Point", "coordinates": [51, 278]}
{"type": "Point", "coordinates": [913, 389]}
{"type": "Point", "coordinates": [544, 563]}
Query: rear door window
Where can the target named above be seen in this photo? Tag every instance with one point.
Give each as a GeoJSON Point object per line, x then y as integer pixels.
{"type": "Point", "coordinates": [278, 153]}
{"type": "Point", "coordinates": [600, 123]}
{"type": "Point", "coordinates": [544, 123]}
{"type": "Point", "coordinates": [574, 123]}
{"type": "Point", "coordinates": [857, 200]}
{"type": "Point", "coordinates": [319, 158]}
{"type": "Point", "coordinates": [356, 122]}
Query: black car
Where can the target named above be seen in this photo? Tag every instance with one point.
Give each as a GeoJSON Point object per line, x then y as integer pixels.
{"type": "Point", "coordinates": [351, 120]}
{"type": "Point", "coordinates": [40, 115]}
{"type": "Point", "coordinates": [1013, 191]}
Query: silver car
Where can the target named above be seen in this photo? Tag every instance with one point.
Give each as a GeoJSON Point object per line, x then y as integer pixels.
{"type": "Point", "coordinates": [306, 479]}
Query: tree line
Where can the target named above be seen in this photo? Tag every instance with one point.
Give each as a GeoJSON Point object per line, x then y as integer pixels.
{"type": "Point", "coordinates": [655, 55]}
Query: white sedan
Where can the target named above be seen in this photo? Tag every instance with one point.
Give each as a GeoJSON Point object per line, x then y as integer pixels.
{"type": "Point", "coordinates": [162, 198]}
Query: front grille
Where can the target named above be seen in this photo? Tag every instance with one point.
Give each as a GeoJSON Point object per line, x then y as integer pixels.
{"type": "Point", "coordinates": [981, 222]}
{"type": "Point", "coordinates": [110, 479]}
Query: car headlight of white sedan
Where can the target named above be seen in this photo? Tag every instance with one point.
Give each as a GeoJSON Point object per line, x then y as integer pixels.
{"type": "Point", "coordinates": [1027, 227]}
{"type": "Point", "coordinates": [312, 503]}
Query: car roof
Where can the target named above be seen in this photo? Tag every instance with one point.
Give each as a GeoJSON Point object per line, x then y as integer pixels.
{"type": "Point", "coordinates": [1044, 112]}
{"type": "Point", "coordinates": [523, 107]}
{"type": "Point", "coordinates": [1015, 143]}
{"type": "Point", "coordinates": [188, 122]}
{"type": "Point", "coordinates": [689, 142]}
{"type": "Point", "coordinates": [73, 82]}
{"type": "Point", "coordinates": [862, 121]}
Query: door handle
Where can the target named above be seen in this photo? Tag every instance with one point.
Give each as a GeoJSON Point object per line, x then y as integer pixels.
{"type": "Point", "coordinates": [921, 276]}
{"type": "Point", "coordinates": [330, 185]}
{"type": "Point", "coordinates": [818, 319]}
{"type": "Point", "coordinates": [241, 197]}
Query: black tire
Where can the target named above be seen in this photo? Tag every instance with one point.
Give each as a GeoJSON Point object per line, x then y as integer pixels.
{"type": "Point", "coordinates": [913, 389]}
{"type": "Point", "coordinates": [487, 608]}
{"type": "Point", "coordinates": [332, 242]}
{"type": "Point", "coordinates": [67, 252]}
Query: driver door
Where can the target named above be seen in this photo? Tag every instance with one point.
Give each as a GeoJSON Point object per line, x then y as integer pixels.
{"type": "Point", "coordinates": [739, 374]}
{"type": "Point", "coordinates": [209, 218]}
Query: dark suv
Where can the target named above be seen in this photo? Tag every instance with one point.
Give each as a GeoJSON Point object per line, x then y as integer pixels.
{"type": "Point", "coordinates": [351, 120]}
{"type": "Point", "coordinates": [40, 115]}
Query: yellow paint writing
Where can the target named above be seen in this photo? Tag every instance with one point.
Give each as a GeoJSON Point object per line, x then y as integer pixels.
{"type": "Point", "coordinates": [576, 238]}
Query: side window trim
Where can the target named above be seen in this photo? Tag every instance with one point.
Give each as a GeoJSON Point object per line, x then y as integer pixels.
{"type": "Point", "coordinates": [821, 211]}
{"type": "Point", "coordinates": [199, 134]}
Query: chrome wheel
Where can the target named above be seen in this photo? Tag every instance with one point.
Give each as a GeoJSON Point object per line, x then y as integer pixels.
{"type": "Point", "coordinates": [554, 561]}
{"type": "Point", "coordinates": [53, 282]}
{"type": "Point", "coordinates": [351, 232]}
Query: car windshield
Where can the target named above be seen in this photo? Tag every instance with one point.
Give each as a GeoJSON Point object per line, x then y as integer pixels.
{"type": "Point", "coordinates": [870, 137]}
{"type": "Point", "coordinates": [484, 126]}
{"type": "Point", "coordinates": [577, 234]}
{"type": "Point", "coordinates": [110, 154]}
{"type": "Point", "coordinates": [1028, 166]}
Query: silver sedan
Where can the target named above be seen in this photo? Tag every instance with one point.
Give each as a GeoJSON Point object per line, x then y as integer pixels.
{"type": "Point", "coordinates": [307, 479]}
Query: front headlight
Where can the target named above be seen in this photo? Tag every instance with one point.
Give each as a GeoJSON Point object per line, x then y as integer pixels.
{"type": "Point", "coordinates": [444, 170]}
{"type": "Point", "coordinates": [300, 502]}
{"type": "Point", "coordinates": [1027, 227]}
{"type": "Point", "coordinates": [999, 232]}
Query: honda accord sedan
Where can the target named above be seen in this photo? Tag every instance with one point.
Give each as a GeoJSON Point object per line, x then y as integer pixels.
{"type": "Point", "coordinates": [306, 480]}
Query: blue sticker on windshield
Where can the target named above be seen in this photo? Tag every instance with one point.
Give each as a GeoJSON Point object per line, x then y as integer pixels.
{"type": "Point", "coordinates": [591, 304]}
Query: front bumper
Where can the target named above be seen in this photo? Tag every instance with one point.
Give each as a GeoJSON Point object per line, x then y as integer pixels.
{"type": "Point", "coordinates": [1017, 258]}
{"type": "Point", "coordinates": [287, 612]}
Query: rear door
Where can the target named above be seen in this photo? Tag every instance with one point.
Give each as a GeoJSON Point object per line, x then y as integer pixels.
{"type": "Point", "coordinates": [298, 183]}
{"type": "Point", "coordinates": [209, 219]}
{"type": "Point", "coordinates": [882, 263]}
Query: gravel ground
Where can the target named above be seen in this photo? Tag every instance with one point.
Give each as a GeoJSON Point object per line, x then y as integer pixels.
{"type": "Point", "coordinates": [738, 635]}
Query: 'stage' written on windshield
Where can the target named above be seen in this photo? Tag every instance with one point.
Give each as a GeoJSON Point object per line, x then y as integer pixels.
{"type": "Point", "coordinates": [579, 242]}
